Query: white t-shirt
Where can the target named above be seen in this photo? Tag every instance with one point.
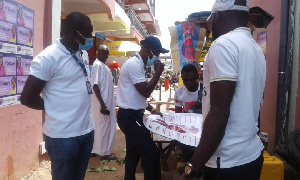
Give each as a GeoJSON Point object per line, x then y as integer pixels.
{"type": "Point", "coordinates": [132, 72]}
{"type": "Point", "coordinates": [66, 99]}
{"type": "Point", "coordinates": [183, 97]}
{"type": "Point", "coordinates": [235, 56]}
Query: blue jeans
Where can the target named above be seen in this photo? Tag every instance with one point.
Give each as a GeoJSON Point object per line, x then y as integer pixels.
{"type": "Point", "coordinates": [69, 156]}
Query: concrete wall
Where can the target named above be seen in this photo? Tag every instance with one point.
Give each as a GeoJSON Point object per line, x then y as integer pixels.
{"type": "Point", "coordinates": [268, 110]}
{"type": "Point", "coordinates": [21, 127]}
{"type": "Point", "coordinates": [109, 7]}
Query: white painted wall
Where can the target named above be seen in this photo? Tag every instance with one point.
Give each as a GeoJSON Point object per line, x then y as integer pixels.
{"type": "Point", "coordinates": [56, 19]}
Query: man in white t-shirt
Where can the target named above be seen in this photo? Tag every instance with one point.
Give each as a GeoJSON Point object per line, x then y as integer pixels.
{"type": "Point", "coordinates": [103, 106]}
{"type": "Point", "coordinates": [234, 79]}
{"type": "Point", "coordinates": [186, 98]}
{"type": "Point", "coordinates": [132, 92]}
{"type": "Point", "coordinates": [59, 73]}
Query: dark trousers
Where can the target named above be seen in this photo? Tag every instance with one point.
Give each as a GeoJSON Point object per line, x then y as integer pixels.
{"type": "Point", "coordinates": [69, 156]}
{"type": "Point", "coordinates": [139, 145]}
{"type": "Point", "coordinates": [187, 152]}
{"type": "Point", "coordinates": [250, 171]}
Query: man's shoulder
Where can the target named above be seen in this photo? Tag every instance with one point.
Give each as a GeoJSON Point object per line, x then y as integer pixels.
{"type": "Point", "coordinates": [180, 90]}
{"type": "Point", "coordinates": [51, 51]}
{"type": "Point", "coordinates": [233, 36]}
{"type": "Point", "coordinates": [133, 61]}
{"type": "Point", "coordinates": [225, 39]}
{"type": "Point", "coordinates": [96, 63]}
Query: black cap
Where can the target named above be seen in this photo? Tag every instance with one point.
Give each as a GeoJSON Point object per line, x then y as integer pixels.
{"type": "Point", "coordinates": [153, 43]}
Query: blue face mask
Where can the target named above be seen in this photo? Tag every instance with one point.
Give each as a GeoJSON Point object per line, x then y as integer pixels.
{"type": "Point", "coordinates": [152, 61]}
{"type": "Point", "coordinates": [88, 43]}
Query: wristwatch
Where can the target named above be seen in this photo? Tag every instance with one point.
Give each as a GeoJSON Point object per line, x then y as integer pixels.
{"type": "Point", "coordinates": [190, 171]}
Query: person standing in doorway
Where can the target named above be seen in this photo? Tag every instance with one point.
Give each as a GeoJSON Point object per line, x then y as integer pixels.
{"type": "Point", "coordinates": [103, 106]}
{"type": "Point", "coordinates": [132, 92]}
{"type": "Point", "coordinates": [234, 80]}
{"type": "Point", "coordinates": [60, 74]}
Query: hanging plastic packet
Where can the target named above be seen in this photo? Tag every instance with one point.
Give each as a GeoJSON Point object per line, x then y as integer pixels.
{"type": "Point", "coordinates": [207, 43]}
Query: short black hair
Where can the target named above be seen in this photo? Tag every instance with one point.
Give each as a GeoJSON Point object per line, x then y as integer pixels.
{"type": "Point", "coordinates": [75, 21]}
{"type": "Point", "coordinates": [189, 68]}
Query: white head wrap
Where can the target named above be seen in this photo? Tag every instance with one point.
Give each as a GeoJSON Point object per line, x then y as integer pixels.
{"type": "Point", "coordinates": [224, 5]}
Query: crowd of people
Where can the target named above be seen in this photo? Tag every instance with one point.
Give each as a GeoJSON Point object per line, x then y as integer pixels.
{"type": "Point", "coordinates": [81, 120]}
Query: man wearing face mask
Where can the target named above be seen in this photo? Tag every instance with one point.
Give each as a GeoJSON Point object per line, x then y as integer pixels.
{"type": "Point", "coordinates": [234, 74]}
{"type": "Point", "coordinates": [59, 73]}
{"type": "Point", "coordinates": [132, 92]}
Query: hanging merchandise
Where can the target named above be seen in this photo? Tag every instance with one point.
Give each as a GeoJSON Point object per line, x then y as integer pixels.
{"type": "Point", "coordinates": [186, 45]}
{"type": "Point", "coordinates": [207, 43]}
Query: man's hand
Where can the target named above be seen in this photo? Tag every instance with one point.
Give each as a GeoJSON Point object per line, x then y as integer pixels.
{"type": "Point", "coordinates": [157, 113]}
{"type": "Point", "coordinates": [158, 67]}
{"type": "Point", "coordinates": [104, 110]}
{"type": "Point", "coordinates": [184, 177]}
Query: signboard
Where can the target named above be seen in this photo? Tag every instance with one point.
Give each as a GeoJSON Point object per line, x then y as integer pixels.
{"type": "Point", "coordinates": [16, 50]}
{"type": "Point", "coordinates": [183, 127]}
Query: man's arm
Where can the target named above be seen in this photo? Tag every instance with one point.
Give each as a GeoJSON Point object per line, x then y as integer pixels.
{"type": "Point", "coordinates": [221, 94]}
{"type": "Point", "coordinates": [149, 108]}
{"type": "Point", "coordinates": [30, 96]}
{"type": "Point", "coordinates": [146, 88]}
{"type": "Point", "coordinates": [153, 110]}
{"type": "Point", "coordinates": [100, 99]}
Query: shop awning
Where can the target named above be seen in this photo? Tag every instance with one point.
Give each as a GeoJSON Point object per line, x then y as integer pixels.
{"type": "Point", "coordinates": [98, 35]}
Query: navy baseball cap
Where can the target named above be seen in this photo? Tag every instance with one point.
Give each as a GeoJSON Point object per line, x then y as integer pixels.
{"type": "Point", "coordinates": [153, 43]}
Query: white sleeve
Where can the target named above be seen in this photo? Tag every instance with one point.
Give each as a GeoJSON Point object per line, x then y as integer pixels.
{"type": "Point", "coordinates": [177, 102]}
{"type": "Point", "coordinates": [42, 68]}
{"type": "Point", "coordinates": [97, 75]}
{"type": "Point", "coordinates": [223, 62]}
{"type": "Point", "coordinates": [94, 75]}
{"type": "Point", "coordinates": [136, 73]}
{"type": "Point", "coordinates": [102, 75]}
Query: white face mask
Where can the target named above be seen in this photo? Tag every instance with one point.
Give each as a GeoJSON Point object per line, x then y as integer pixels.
{"type": "Point", "coordinates": [152, 61]}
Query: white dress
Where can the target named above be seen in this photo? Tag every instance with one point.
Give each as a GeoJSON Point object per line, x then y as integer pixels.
{"type": "Point", "coordinates": [105, 126]}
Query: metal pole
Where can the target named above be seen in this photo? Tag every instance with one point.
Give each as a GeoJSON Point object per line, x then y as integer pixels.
{"type": "Point", "coordinates": [159, 90]}
{"type": "Point", "coordinates": [170, 90]}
